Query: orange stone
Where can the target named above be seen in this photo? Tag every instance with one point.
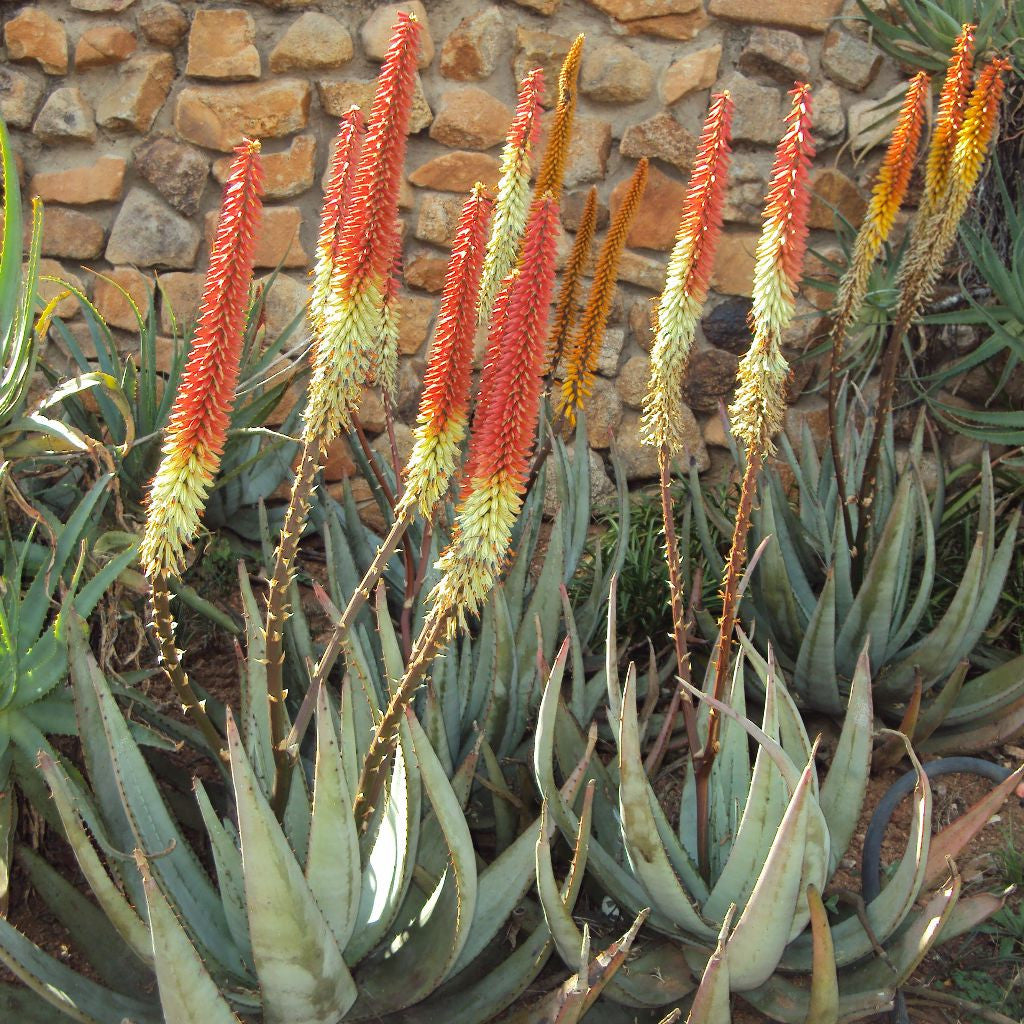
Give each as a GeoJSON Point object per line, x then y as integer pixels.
{"type": "Point", "coordinates": [278, 241]}
{"type": "Point", "coordinates": [802, 15]}
{"type": "Point", "coordinates": [71, 235]}
{"type": "Point", "coordinates": [103, 45]}
{"type": "Point", "coordinates": [415, 316]}
{"type": "Point", "coordinates": [134, 101]}
{"type": "Point", "coordinates": [832, 192]}
{"type": "Point", "coordinates": [457, 172]}
{"type": "Point", "coordinates": [426, 271]}
{"type": "Point", "coordinates": [101, 182]}
{"type": "Point", "coordinates": [180, 295]}
{"type": "Point", "coordinates": [285, 174]}
{"type": "Point", "coordinates": [220, 45]}
{"type": "Point", "coordinates": [691, 73]}
{"type": "Point", "coordinates": [470, 118]}
{"type": "Point", "coordinates": [733, 273]}
{"type": "Point", "coordinates": [220, 116]}
{"type": "Point", "coordinates": [110, 299]}
{"type": "Point", "coordinates": [67, 308]}
{"type": "Point", "coordinates": [657, 218]}
{"type": "Point", "coordinates": [34, 35]}
{"type": "Point", "coordinates": [670, 26]}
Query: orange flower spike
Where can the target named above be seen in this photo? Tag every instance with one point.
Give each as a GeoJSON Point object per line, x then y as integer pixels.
{"type": "Point", "coordinates": [581, 362]}
{"type": "Point", "coordinates": [504, 428]}
{"type": "Point", "coordinates": [383, 368]}
{"type": "Point", "coordinates": [444, 405]}
{"type": "Point", "coordinates": [567, 310]}
{"type": "Point", "coordinates": [688, 278]}
{"type": "Point", "coordinates": [952, 104]}
{"type": "Point", "coordinates": [352, 318]}
{"type": "Point", "coordinates": [552, 168]}
{"type": "Point", "coordinates": [513, 199]}
{"type": "Point", "coordinates": [198, 424]}
{"type": "Point", "coordinates": [976, 133]}
{"type": "Point", "coordinates": [341, 175]}
{"type": "Point", "coordinates": [760, 402]}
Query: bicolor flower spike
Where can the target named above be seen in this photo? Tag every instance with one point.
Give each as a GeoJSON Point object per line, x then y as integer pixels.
{"type": "Point", "coordinates": [567, 310]}
{"type": "Point", "coordinates": [581, 360]}
{"type": "Point", "coordinates": [444, 407]}
{"type": "Point", "coordinates": [688, 278]}
{"type": "Point", "coordinates": [886, 200]}
{"type": "Point", "coordinates": [556, 153]}
{"type": "Point", "coordinates": [760, 403]}
{"type": "Point", "coordinates": [383, 368]}
{"type": "Point", "coordinates": [513, 199]}
{"type": "Point", "coordinates": [950, 115]}
{"type": "Point", "coordinates": [352, 319]}
{"type": "Point", "coordinates": [504, 427]}
{"type": "Point", "coordinates": [198, 424]}
{"type": "Point", "coordinates": [337, 194]}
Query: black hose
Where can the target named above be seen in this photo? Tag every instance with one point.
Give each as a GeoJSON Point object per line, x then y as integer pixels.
{"type": "Point", "coordinates": [871, 861]}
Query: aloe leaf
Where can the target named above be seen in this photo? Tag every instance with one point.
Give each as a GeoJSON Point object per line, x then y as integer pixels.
{"type": "Point", "coordinates": [81, 999]}
{"type": "Point", "coordinates": [301, 972]}
{"type": "Point", "coordinates": [187, 992]}
{"type": "Point", "coordinates": [937, 710]}
{"type": "Point", "coordinates": [254, 698]}
{"type": "Point", "coordinates": [989, 731]}
{"type": "Point", "coordinates": [762, 931]}
{"type": "Point", "coordinates": [24, 1006]}
{"type": "Point", "coordinates": [824, 996]}
{"type": "Point", "coordinates": [992, 692]}
{"type": "Point", "coordinates": [730, 780]}
{"type": "Point", "coordinates": [711, 1000]}
{"type": "Point", "coordinates": [842, 793]}
{"type": "Point", "coordinates": [814, 675]}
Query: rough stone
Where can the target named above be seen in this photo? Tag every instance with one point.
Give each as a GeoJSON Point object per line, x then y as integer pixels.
{"type": "Point", "coordinates": [660, 137]}
{"type": "Point", "coordinates": [604, 413]}
{"type": "Point", "coordinates": [748, 175]}
{"type": "Point", "coordinates": [544, 50]}
{"type": "Point", "coordinates": [776, 54]}
{"type": "Point", "coordinates": [147, 233]}
{"type": "Point", "coordinates": [278, 242]}
{"type": "Point", "coordinates": [670, 26]}
{"type": "Point", "coordinates": [850, 60]}
{"type": "Point", "coordinates": [589, 148]}
{"type": "Point", "coordinates": [109, 298]}
{"type": "Point", "coordinates": [337, 97]}
{"type": "Point", "coordinates": [285, 174]}
{"type": "Point", "coordinates": [142, 87]}
{"type": "Point", "coordinates": [404, 441]}
{"type": "Point", "coordinates": [613, 73]}
{"type": "Point", "coordinates": [641, 322]}
{"type": "Point", "coordinates": [69, 307]}
{"type": "Point", "coordinates": [470, 118]}
{"type": "Point", "coordinates": [715, 435]}
{"type": "Point", "coordinates": [758, 116]}
{"type": "Point", "coordinates": [602, 490]}
{"type": "Point", "coordinates": [457, 172]}
{"type": "Point", "coordinates": [376, 31]}
{"type": "Point", "coordinates": [545, 7]}
{"type": "Point", "coordinates": [221, 45]}
{"type": "Point", "coordinates": [20, 96]}
{"type": "Point", "coordinates": [220, 116]}
{"type": "Point", "coordinates": [338, 461]}
{"type": "Point", "coordinates": [68, 234]}
{"type": "Point", "coordinates": [695, 71]}
{"type": "Point", "coordinates": [726, 326]}
{"type": "Point", "coordinates": [65, 116]}
{"type": "Point", "coordinates": [833, 190]}
{"type": "Point", "coordinates": [711, 379]}
{"type": "Point", "coordinates": [426, 271]}
{"type": "Point", "coordinates": [100, 182]}
{"type": "Point", "coordinates": [162, 23]}
{"type": "Point", "coordinates": [178, 172]}
{"type": "Point", "coordinates": [611, 351]}
{"type": "Point", "coordinates": [802, 15]}
{"type": "Point", "coordinates": [572, 210]}
{"type": "Point", "coordinates": [438, 219]}
{"type": "Point", "coordinates": [733, 273]}
{"type": "Point", "coordinates": [415, 316]}
{"type": "Point", "coordinates": [472, 51]}
{"type": "Point", "coordinates": [181, 295]}
{"type": "Point", "coordinates": [633, 379]}
{"type": "Point", "coordinates": [103, 45]}
{"type": "Point", "coordinates": [34, 35]}
{"type": "Point", "coordinates": [284, 299]}
{"type": "Point", "coordinates": [654, 227]}
{"type": "Point", "coordinates": [871, 121]}
{"type": "Point", "coordinates": [640, 461]}
{"type": "Point", "coordinates": [810, 411]}
{"type": "Point", "coordinates": [102, 6]}
{"type": "Point", "coordinates": [633, 10]}
{"type": "Point", "coordinates": [641, 271]}
{"type": "Point", "coordinates": [829, 115]}
{"type": "Point", "coordinates": [313, 42]}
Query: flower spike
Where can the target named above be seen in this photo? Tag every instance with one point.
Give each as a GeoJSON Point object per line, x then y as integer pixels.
{"type": "Point", "coordinates": [512, 205]}
{"type": "Point", "coordinates": [444, 406]}
{"type": "Point", "coordinates": [567, 309]}
{"type": "Point", "coordinates": [886, 199]}
{"type": "Point", "coordinates": [689, 274]}
{"type": "Point", "coordinates": [759, 406]}
{"type": "Point", "coordinates": [952, 104]}
{"type": "Point", "coordinates": [198, 424]}
{"type": "Point", "coordinates": [504, 428]}
{"type": "Point", "coordinates": [552, 168]}
{"type": "Point", "coordinates": [383, 369]}
{"type": "Point", "coordinates": [352, 318]}
{"type": "Point", "coordinates": [581, 361]}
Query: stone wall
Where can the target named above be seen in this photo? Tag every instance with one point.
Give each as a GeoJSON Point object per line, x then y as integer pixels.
{"type": "Point", "coordinates": [123, 112]}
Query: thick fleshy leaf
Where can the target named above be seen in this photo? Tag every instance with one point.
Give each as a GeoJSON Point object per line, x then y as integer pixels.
{"type": "Point", "coordinates": [824, 1002]}
{"type": "Point", "coordinates": [711, 1000]}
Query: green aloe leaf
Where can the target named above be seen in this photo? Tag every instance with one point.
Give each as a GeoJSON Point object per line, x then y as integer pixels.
{"type": "Point", "coordinates": [711, 1000]}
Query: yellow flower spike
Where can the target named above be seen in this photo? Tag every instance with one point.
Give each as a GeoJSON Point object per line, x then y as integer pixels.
{"type": "Point", "coordinates": [688, 278]}
{"type": "Point", "coordinates": [760, 403]}
{"type": "Point", "coordinates": [952, 104]}
{"type": "Point", "coordinates": [581, 361]}
{"type": "Point", "coordinates": [886, 200]}
{"type": "Point", "coordinates": [567, 310]}
{"type": "Point", "coordinates": [552, 168]}
{"type": "Point", "coordinates": [512, 205]}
